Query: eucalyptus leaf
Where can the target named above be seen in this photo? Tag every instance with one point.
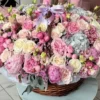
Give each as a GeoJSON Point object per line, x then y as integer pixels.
{"type": "Point", "coordinates": [28, 89]}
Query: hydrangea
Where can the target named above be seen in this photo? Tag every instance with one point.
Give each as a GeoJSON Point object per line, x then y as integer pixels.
{"type": "Point", "coordinates": [79, 11]}
{"type": "Point", "coordinates": [78, 41]}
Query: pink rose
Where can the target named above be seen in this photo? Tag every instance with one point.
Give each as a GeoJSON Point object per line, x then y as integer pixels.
{"type": "Point", "coordinates": [58, 46]}
{"type": "Point", "coordinates": [66, 75]}
{"type": "Point", "coordinates": [54, 74]}
{"type": "Point", "coordinates": [20, 18]}
{"type": "Point", "coordinates": [31, 65]}
{"type": "Point", "coordinates": [83, 25]}
{"type": "Point", "coordinates": [14, 64]}
{"type": "Point", "coordinates": [73, 28]}
{"type": "Point", "coordinates": [24, 33]}
{"type": "Point", "coordinates": [28, 24]}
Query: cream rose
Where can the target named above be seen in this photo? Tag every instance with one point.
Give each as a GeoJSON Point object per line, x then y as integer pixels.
{"type": "Point", "coordinates": [58, 60]}
{"type": "Point", "coordinates": [18, 45]}
{"type": "Point", "coordinates": [29, 46]}
{"type": "Point", "coordinates": [24, 33]}
{"type": "Point", "coordinates": [5, 55]}
{"type": "Point", "coordinates": [75, 64]}
{"type": "Point", "coordinates": [6, 26]}
{"type": "Point", "coordinates": [74, 17]}
{"type": "Point", "coordinates": [83, 25]}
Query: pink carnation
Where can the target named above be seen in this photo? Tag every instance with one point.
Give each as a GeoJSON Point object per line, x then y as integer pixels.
{"type": "Point", "coordinates": [14, 64]}
{"type": "Point", "coordinates": [54, 74]}
{"type": "Point", "coordinates": [73, 28]}
{"type": "Point", "coordinates": [31, 65]}
{"type": "Point", "coordinates": [28, 24]}
{"type": "Point", "coordinates": [59, 47]}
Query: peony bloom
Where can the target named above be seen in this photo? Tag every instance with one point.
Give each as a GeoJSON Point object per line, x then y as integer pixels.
{"type": "Point", "coordinates": [66, 75]}
{"type": "Point", "coordinates": [54, 74]}
{"type": "Point", "coordinates": [28, 24]}
{"type": "Point", "coordinates": [73, 28]}
{"type": "Point", "coordinates": [83, 25]}
{"type": "Point", "coordinates": [76, 65]}
{"type": "Point", "coordinates": [14, 64]}
{"type": "Point", "coordinates": [31, 65]}
{"type": "Point", "coordinates": [24, 33]}
{"type": "Point", "coordinates": [59, 47]}
{"type": "Point", "coordinates": [2, 41]}
{"type": "Point", "coordinates": [58, 60]}
{"type": "Point", "coordinates": [6, 54]}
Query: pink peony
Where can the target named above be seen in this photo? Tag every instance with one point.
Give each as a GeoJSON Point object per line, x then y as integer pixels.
{"type": "Point", "coordinates": [2, 41]}
{"type": "Point", "coordinates": [14, 64]}
{"type": "Point", "coordinates": [73, 28]}
{"type": "Point", "coordinates": [54, 74]}
{"type": "Point", "coordinates": [28, 24]}
{"type": "Point", "coordinates": [31, 65]}
{"type": "Point", "coordinates": [59, 47]}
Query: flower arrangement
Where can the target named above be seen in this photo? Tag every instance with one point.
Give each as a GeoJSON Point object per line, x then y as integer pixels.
{"type": "Point", "coordinates": [49, 44]}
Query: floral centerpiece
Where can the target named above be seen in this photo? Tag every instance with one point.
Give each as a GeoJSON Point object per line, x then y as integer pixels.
{"type": "Point", "coordinates": [49, 44]}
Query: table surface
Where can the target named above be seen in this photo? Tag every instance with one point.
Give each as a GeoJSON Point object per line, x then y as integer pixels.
{"type": "Point", "coordinates": [87, 91]}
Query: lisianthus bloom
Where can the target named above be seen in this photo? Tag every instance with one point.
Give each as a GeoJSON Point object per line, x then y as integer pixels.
{"type": "Point", "coordinates": [31, 65]}
{"type": "Point", "coordinates": [24, 33]}
{"type": "Point", "coordinates": [66, 75]}
{"type": "Point", "coordinates": [14, 64]}
{"type": "Point", "coordinates": [6, 54]}
{"type": "Point", "coordinates": [73, 28]}
{"type": "Point", "coordinates": [54, 74]}
{"type": "Point", "coordinates": [83, 25]}
{"type": "Point", "coordinates": [76, 65]}
{"type": "Point", "coordinates": [59, 47]}
{"type": "Point", "coordinates": [28, 24]}
{"type": "Point", "coordinates": [58, 60]}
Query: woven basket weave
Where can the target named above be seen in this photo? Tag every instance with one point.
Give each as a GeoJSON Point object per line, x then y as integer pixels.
{"type": "Point", "coordinates": [57, 90]}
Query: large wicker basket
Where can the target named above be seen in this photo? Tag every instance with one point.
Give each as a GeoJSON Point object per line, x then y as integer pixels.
{"type": "Point", "coordinates": [59, 90]}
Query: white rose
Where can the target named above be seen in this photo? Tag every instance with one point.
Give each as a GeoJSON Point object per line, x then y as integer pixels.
{"type": "Point", "coordinates": [76, 65]}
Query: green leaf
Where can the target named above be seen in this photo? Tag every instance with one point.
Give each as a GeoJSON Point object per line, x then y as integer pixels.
{"type": "Point", "coordinates": [10, 9]}
{"type": "Point", "coordinates": [28, 89]}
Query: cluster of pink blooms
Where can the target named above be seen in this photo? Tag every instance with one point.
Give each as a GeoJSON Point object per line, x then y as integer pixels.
{"type": "Point", "coordinates": [55, 48]}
